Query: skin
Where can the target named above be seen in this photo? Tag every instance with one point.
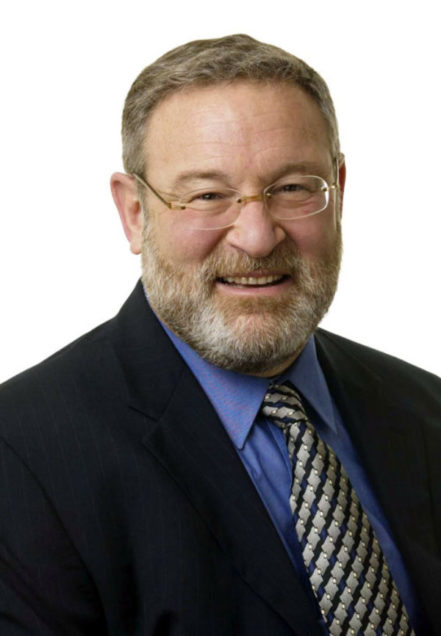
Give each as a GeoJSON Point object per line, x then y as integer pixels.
{"type": "Point", "coordinates": [248, 133]}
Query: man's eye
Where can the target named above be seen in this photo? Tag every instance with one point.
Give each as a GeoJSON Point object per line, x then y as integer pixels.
{"type": "Point", "coordinates": [210, 196]}
{"type": "Point", "coordinates": [204, 196]}
{"type": "Point", "coordinates": [289, 188]}
{"type": "Point", "coordinates": [297, 190]}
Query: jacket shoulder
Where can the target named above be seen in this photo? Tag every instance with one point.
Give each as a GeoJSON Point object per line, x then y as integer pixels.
{"type": "Point", "coordinates": [69, 381]}
{"type": "Point", "coordinates": [391, 372]}
{"type": "Point", "coordinates": [74, 355]}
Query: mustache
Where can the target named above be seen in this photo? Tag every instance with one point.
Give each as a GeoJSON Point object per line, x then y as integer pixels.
{"type": "Point", "coordinates": [283, 260]}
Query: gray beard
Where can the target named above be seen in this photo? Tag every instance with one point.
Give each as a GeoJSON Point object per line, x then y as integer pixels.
{"type": "Point", "coordinates": [251, 336]}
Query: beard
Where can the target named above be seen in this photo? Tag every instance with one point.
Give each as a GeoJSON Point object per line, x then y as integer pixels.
{"type": "Point", "coordinates": [246, 335]}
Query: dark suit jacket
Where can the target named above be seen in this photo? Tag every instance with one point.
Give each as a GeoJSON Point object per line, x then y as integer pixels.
{"type": "Point", "coordinates": [124, 508]}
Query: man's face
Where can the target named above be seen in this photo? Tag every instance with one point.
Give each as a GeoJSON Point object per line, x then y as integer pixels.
{"type": "Point", "coordinates": [246, 297]}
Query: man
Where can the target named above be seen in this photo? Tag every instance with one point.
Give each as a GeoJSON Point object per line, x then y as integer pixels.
{"type": "Point", "coordinates": [209, 462]}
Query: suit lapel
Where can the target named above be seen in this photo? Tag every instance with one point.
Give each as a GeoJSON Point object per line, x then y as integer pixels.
{"type": "Point", "coordinates": [193, 446]}
{"type": "Point", "coordinates": [190, 442]}
{"type": "Point", "coordinates": [388, 433]}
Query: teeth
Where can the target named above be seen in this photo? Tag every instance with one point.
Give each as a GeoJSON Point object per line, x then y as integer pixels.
{"type": "Point", "coordinates": [251, 280]}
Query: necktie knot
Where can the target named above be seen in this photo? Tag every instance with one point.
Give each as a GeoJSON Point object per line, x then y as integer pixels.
{"type": "Point", "coordinates": [283, 406]}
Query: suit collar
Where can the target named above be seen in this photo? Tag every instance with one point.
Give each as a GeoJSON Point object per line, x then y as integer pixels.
{"type": "Point", "coordinates": [387, 435]}
{"type": "Point", "coordinates": [150, 365]}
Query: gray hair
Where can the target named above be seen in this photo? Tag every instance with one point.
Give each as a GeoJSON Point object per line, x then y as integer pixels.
{"type": "Point", "coordinates": [209, 62]}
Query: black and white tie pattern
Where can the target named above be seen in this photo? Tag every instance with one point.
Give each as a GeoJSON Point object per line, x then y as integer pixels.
{"type": "Point", "coordinates": [346, 566]}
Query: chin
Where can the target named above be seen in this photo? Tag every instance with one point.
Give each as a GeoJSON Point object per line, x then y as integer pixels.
{"type": "Point", "coordinates": [254, 339]}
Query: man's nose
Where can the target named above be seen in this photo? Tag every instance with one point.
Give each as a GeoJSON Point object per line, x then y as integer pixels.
{"type": "Point", "coordinates": [255, 231]}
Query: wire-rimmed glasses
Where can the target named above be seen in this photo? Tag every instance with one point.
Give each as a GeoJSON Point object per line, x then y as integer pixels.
{"type": "Point", "coordinates": [294, 197]}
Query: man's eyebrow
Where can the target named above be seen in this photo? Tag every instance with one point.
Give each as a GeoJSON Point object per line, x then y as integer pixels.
{"type": "Point", "coordinates": [199, 175]}
{"type": "Point", "coordinates": [303, 167]}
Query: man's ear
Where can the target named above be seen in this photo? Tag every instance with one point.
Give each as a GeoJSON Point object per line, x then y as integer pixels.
{"type": "Point", "coordinates": [125, 195]}
{"type": "Point", "coordinates": [341, 167]}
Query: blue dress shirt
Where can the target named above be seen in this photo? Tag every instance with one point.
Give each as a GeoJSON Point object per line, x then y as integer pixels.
{"type": "Point", "coordinates": [261, 446]}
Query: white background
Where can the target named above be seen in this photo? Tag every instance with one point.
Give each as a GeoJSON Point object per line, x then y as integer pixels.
{"type": "Point", "coordinates": [66, 68]}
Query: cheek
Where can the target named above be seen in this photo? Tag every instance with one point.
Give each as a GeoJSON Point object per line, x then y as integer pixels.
{"type": "Point", "coordinates": [314, 237]}
{"type": "Point", "coordinates": [183, 245]}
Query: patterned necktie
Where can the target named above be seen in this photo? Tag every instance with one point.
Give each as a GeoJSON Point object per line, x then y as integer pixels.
{"type": "Point", "coordinates": [346, 566]}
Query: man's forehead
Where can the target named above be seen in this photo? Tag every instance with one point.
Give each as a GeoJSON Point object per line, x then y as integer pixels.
{"type": "Point", "coordinates": [223, 112]}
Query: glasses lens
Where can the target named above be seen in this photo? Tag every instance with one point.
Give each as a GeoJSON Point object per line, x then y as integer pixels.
{"type": "Point", "coordinates": [297, 196]}
{"type": "Point", "coordinates": [211, 208]}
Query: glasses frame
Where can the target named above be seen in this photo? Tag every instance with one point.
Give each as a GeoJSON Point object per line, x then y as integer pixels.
{"type": "Point", "coordinates": [242, 199]}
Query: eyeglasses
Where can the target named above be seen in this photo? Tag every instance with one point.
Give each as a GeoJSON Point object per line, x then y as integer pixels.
{"type": "Point", "coordinates": [294, 197]}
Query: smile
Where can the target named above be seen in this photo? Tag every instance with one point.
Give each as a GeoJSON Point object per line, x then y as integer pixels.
{"type": "Point", "coordinates": [253, 281]}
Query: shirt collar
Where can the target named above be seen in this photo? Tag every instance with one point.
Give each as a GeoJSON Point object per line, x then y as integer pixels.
{"type": "Point", "coordinates": [237, 398]}
{"type": "Point", "coordinates": [307, 376]}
